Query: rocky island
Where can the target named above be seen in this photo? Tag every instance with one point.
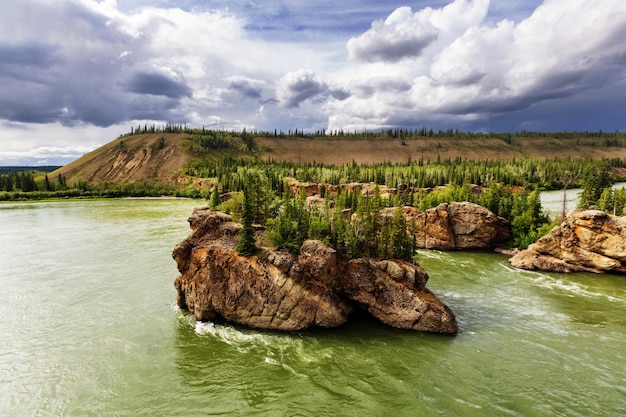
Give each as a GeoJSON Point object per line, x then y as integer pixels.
{"type": "Point", "coordinates": [586, 241]}
{"type": "Point", "coordinates": [277, 290]}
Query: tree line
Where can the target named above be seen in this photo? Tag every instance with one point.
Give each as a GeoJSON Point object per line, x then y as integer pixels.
{"type": "Point", "coordinates": [26, 186]}
{"type": "Point", "coordinates": [616, 138]}
{"type": "Point", "coordinates": [549, 174]}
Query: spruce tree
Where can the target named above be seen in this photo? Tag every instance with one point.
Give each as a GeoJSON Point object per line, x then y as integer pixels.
{"type": "Point", "coordinates": [246, 245]}
{"type": "Point", "coordinates": [215, 200]}
{"type": "Point", "coordinates": [596, 179]}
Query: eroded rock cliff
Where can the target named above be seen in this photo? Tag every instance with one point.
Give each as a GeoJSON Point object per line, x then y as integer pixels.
{"type": "Point", "coordinates": [276, 290]}
{"type": "Point", "coordinates": [588, 241]}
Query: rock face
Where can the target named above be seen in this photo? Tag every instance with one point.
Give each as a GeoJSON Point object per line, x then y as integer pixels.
{"type": "Point", "coordinates": [395, 293]}
{"type": "Point", "coordinates": [278, 291]}
{"type": "Point", "coordinates": [459, 226]}
{"type": "Point", "coordinates": [588, 241]}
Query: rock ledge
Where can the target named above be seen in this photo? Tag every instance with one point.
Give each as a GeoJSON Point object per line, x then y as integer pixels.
{"type": "Point", "coordinates": [588, 241]}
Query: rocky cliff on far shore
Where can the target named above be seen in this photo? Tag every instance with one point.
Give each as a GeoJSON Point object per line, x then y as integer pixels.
{"type": "Point", "coordinates": [458, 226]}
{"type": "Point", "coordinates": [587, 241]}
{"type": "Point", "coordinates": [279, 291]}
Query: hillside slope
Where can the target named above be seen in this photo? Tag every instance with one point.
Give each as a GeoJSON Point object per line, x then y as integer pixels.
{"type": "Point", "coordinates": [149, 157]}
{"type": "Point", "coordinates": [161, 157]}
{"type": "Point", "coordinates": [341, 151]}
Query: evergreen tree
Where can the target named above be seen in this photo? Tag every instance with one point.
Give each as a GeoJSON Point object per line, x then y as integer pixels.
{"type": "Point", "coordinates": [246, 245]}
{"type": "Point", "coordinates": [215, 200]}
{"type": "Point", "coordinates": [292, 225]}
{"type": "Point", "coordinates": [596, 179]}
{"type": "Point", "coordinates": [403, 244]}
{"type": "Point", "coordinates": [62, 182]}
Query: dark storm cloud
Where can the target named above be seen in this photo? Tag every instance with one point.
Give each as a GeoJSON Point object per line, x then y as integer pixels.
{"type": "Point", "coordinates": [339, 93]}
{"type": "Point", "coordinates": [89, 70]}
{"type": "Point", "coordinates": [26, 62]}
{"type": "Point", "coordinates": [158, 85]}
{"type": "Point", "coordinates": [26, 54]}
{"type": "Point", "coordinates": [390, 50]}
{"type": "Point", "coordinates": [246, 87]}
{"type": "Point", "coordinates": [381, 84]}
{"type": "Point", "coordinates": [296, 87]}
{"type": "Point", "coordinates": [448, 63]}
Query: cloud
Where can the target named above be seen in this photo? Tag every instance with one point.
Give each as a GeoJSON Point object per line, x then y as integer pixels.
{"type": "Point", "coordinates": [27, 144]}
{"type": "Point", "coordinates": [564, 50]}
{"type": "Point", "coordinates": [298, 86]}
{"type": "Point", "coordinates": [368, 64]}
{"type": "Point", "coordinates": [157, 84]}
{"type": "Point", "coordinates": [246, 87]}
{"type": "Point", "coordinates": [404, 34]}
{"type": "Point", "coordinates": [29, 55]}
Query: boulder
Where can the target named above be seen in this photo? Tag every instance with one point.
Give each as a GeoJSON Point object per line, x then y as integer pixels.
{"type": "Point", "coordinates": [459, 226]}
{"type": "Point", "coordinates": [276, 290]}
{"type": "Point", "coordinates": [587, 241]}
{"type": "Point", "coordinates": [394, 292]}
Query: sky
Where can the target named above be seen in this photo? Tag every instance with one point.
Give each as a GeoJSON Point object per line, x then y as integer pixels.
{"type": "Point", "coordinates": [75, 74]}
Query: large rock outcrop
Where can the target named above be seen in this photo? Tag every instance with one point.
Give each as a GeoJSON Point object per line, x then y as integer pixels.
{"type": "Point", "coordinates": [461, 225]}
{"type": "Point", "coordinates": [278, 291]}
{"type": "Point", "coordinates": [588, 241]}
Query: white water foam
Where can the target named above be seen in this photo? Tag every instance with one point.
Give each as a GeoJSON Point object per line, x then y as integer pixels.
{"type": "Point", "coordinates": [574, 289]}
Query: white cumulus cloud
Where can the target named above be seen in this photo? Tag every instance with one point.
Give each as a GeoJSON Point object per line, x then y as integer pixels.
{"type": "Point", "coordinates": [566, 48]}
{"type": "Point", "coordinates": [469, 64]}
{"type": "Point", "coordinates": [405, 34]}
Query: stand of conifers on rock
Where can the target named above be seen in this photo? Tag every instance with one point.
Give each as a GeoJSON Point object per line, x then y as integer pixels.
{"type": "Point", "coordinates": [318, 287]}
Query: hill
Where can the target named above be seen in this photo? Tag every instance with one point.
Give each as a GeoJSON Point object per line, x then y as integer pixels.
{"type": "Point", "coordinates": [161, 157]}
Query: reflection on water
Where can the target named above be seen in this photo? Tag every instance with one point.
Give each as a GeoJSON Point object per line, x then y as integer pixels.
{"type": "Point", "coordinates": [89, 327]}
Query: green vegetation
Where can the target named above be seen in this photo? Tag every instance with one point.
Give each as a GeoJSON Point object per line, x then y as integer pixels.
{"type": "Point", "coordinates": [246, 245]}
{"type": "Point", "coordinates": [546, 174]}
{"type": "Point", "coordinates": [359, 225]}
{"type": "Point", "coordinates": [227, 165]}
{"type": "Point", "coordinates": [598, 193]}
{"type": "Point", "coordinates": [290, 228]}
{"type": "Point", "coordinates": [609, 139]}
{"type": "Point", "coordinates": [595, 180]}
{"type": "Point", "coordinates": [26, 186]}
{"type": "Point", "coordinates": [215, 199]}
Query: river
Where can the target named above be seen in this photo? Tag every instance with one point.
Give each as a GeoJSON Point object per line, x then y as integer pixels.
{"type": "Point", "coordinates": [89, 327]}
{"type": "Point", "coordinates": [552, 201]}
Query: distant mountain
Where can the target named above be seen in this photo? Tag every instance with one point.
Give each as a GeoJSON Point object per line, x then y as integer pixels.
{"type": "Point", "coordinates": [45, 168]}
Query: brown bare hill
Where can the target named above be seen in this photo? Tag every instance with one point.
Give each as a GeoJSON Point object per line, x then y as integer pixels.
{"type": "Point", "coordinates": [146, 157]}
{"type": "Point", "coordinates": [370, 150]}
{"type": "Point", "coordinates": [161, 157]}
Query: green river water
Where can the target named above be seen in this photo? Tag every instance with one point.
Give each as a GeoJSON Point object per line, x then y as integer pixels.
{"type": "Point", "coordinates": [89, 327]}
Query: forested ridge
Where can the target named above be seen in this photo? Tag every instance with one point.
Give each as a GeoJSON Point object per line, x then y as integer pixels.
{"type": "Point", "coordinates": [224, 162]}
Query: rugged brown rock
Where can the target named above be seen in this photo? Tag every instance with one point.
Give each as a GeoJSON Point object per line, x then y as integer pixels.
{"type": "Point", "coordinates": [588, 241]}
{"type": "Point", "coordinates": [395, 293]}
{"type": "Point", "coordinates": [459, 226]}
{"type": "Point", "coordinates": [276, 290]}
